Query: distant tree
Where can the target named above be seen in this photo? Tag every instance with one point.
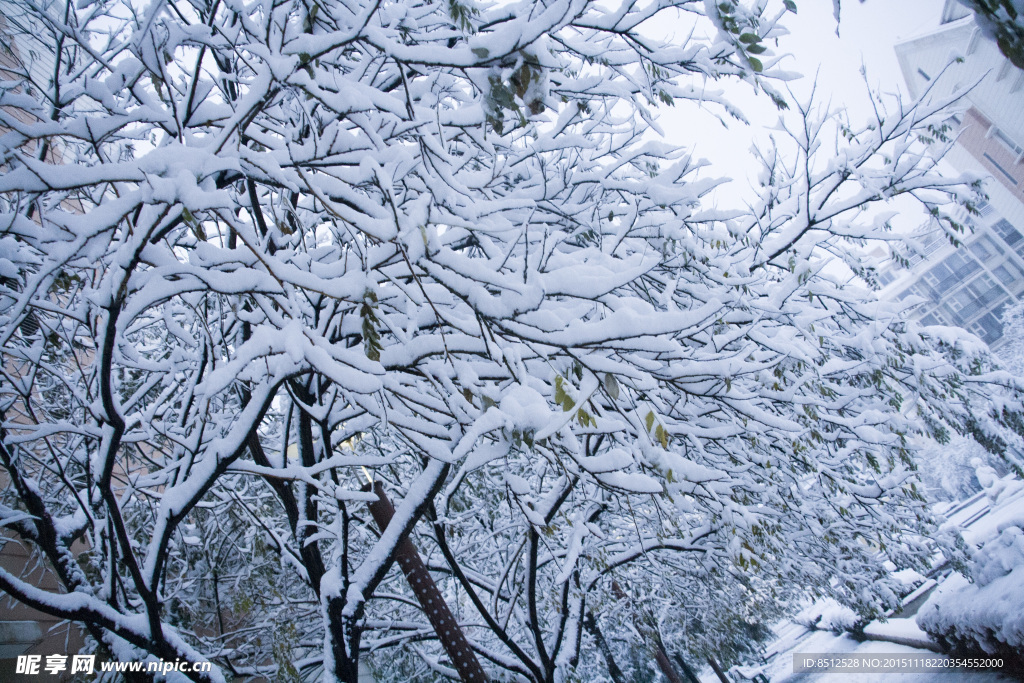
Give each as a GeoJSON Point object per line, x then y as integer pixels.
{"type": "Point", "coordinates": [289, 246]}
{"type": "Point", "coordinates": [1011, 354]}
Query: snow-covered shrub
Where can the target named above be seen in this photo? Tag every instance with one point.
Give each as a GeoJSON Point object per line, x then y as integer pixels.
{"type": "Point", "coordinates": [946, 470]}
{"type": "Point", "coordinates": [999, 557]}
{"type": "Point", "coordinates": [986, 616]}
{"type": "Point", "coordinates": [828, 615]}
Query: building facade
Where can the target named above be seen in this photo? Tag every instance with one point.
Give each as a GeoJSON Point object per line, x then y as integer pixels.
{"type": "Point", "coordinates": [969, 285]}
{"type": "Point", "coordinates": [23, 630]}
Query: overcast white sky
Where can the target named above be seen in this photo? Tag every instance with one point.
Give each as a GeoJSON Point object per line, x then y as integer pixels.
{"type": "Point", "coordinates": [867, 33]}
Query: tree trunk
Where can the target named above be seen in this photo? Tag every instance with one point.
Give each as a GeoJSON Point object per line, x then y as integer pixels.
{"type": "Point", "coordinates": [664, 663]}
{"type": "Point", "coordinates": [645, 627]}
{"type": "Point", "coordinates": [686, 669]}
{"type": "Point", "coordinates": [718, 670]}
{"type": "Point", "coordinates": [345, 636]}
{"type": "Point", "coordinates": [590, 623]}
{"type": "Point", "coordinates": [447, 629]}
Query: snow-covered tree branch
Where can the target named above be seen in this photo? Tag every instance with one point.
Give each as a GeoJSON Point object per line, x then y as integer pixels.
{"type": "Point", "coordinates": [256, 252]}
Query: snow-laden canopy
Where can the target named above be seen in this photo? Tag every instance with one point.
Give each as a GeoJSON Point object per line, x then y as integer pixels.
{"type": "Point", "coordinates": [254, 250]}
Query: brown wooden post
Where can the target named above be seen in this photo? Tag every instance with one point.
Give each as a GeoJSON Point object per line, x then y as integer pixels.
{"type": "Point", "coordinates": [447, 629]}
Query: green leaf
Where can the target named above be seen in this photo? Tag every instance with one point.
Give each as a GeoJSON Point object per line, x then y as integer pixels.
{"type": "Point", "coordinates": [649, 420]}
{"type": "Point", "coordinates": [756, 64]}
{"type": "Point", "coordinates": [560, 394]}
{"type": "Point", "coordinates": [750, 38]}
{"type": "Point", "coordinates": [481, 52]}
{"type": "Point", "coordinates": [611, 385]}
{"type": "Point", "coordinates": [662, 436]}
{"type": "Point", "coordinates": [790, 5]}
{"type": "Point", "coordinates": [757, 49]}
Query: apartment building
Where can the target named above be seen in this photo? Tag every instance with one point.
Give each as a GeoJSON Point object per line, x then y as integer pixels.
{"type": "Point", "coordinates": [972, 284]}
{"type": "Point", "coordinates": [23, 630]}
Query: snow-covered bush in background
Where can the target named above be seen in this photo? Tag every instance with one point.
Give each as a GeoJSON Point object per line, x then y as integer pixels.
{"type": "Point", "coordinates": [1011, 355]}
{"type": "Point", "coordinates": [828, 615]}
{"type": "Point", "coordinates": [987, 615]}
{"type": "Point", "coordinates": [946, 470]}
{"type": "Point", "coordinates": [1000, 556]}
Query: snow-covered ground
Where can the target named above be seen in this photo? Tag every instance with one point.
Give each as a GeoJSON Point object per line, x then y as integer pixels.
{"type": "Point", "coordinates": [994, 517]}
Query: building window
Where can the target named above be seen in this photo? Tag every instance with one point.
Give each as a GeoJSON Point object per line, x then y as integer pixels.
{"type": "Point", "coordinates": [949, 314]}
{"type": "Point", "coordinates": [960, 267]}
{"type": "Point", "coordinates": [1007, 141]}
{"type": "Point", "coordinates": [985, 249]}
{"type": "Point", "coordinates": [922, 246]}
{"type": "Point", "coordinates": [1009, 275]}
{"type": "Point", "coordinates": [912, 291]}
{"type": "Point", "coordinates": [1008, 233]}
{"type": "Point", "coordinates": [986, 291]}
{"type": "Point", "coordinates": [999, 168]}
{"type": "Point", "coordinates": [988, 328]}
